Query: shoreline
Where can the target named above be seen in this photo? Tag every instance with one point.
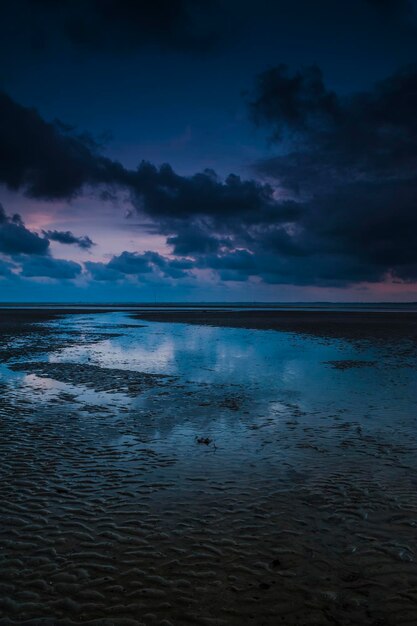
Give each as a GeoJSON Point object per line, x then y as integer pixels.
{"type": "Point", "coordinates": [335, 324]}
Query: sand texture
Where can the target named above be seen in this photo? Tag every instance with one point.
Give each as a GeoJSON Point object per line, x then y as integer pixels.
{"type": "Point", "coordinates": [157, 473]}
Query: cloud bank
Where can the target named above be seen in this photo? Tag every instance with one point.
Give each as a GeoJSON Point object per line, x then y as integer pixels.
{"type": "Point", "coordinates": [335, 206]}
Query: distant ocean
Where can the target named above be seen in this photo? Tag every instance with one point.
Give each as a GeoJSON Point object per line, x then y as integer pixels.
{"type": "Point", "coordinates": [242, 306]}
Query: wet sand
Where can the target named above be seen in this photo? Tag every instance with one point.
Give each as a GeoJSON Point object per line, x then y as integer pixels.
{"type": "Point", "coordinates": [147, 494]}
{"type": "Point", "coordinates": [342, 324]}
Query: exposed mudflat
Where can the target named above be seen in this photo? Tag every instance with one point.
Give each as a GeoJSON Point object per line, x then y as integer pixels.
{"type": "Point", "coordinates": [97, 378]}
{"type": "Point", "coordinates": [178, 474]}
{"type": "Point", "coordinates": [367, 325]}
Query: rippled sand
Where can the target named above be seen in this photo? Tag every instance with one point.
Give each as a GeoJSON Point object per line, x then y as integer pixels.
{"type": "Point", "coordinates": [300, 509]}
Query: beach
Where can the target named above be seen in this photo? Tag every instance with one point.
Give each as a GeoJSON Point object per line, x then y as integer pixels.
{"type": "Point", "coordinates": [208, 467]}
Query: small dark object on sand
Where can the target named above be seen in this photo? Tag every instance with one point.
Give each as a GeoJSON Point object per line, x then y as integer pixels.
{"type": "Point", "coordinates": [264, 586]}
{"type": "Point", "coordinates": [205, 440]}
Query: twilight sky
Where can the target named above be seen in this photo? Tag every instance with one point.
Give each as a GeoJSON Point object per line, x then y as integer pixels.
{"type": "Point", "coordinates": [189, 150]}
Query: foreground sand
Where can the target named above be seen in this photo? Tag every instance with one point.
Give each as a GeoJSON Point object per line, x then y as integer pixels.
{"type": "Point", "coordinates": [112, 512]}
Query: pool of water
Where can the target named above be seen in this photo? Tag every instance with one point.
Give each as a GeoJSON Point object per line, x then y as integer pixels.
{"type": "Point", "coordinates": [264, 365]}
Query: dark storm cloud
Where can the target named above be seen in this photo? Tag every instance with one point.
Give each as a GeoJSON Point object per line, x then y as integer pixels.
{"type": "Point", "coordinates": [15, 238]}
{"type": "Point", "coordinates": [348, 170]}
{"type": "Point", "coordinates": [292, 103]}
{"type": "Point", "coordinates": [143, 266]}
{"type": "Point", "coordinates": [351, 163]}
{"type": "Point", "coordinates": [135, 264]}
{"type": "Point", "coordinates": [126, 25]}
{"type": "Point", "coordinates": [68, 238]}
{"type": "Point", "coordinates": [319, 268]}
{"type": "Point", "coordinates": [202, 214]}
{"type": "Point", "coordinates": [51, 161]}
{"type": "Point", "coordinates": [48, 160]}
{"type": "Point", "coordinates": [193, 239]}
{"type": "Point", "coordinates": [165, 195]}
{"type": "Point", "coordinates": [366, 136]}
{"type": "Point", "coordinates": [46, 267]}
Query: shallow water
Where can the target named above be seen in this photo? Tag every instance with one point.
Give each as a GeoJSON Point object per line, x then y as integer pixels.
{"type": "Point", "coordinates": [300, 509]}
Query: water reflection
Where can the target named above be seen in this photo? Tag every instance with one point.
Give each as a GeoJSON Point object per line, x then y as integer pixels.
{"type": "Point", "coordinates": [238, 371]}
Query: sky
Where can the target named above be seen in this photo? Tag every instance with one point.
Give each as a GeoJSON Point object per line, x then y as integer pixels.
{"type": "Point", "coordinates": [195, 150]}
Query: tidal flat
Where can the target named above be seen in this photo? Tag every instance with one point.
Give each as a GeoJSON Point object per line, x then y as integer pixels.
{"type": "Point", "coordinates": [208, 468]}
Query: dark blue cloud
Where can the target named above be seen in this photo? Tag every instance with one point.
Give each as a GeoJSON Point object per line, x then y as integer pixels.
{"type": "Point", "coordinates": [135, 264]}
{"type": "Point", "coordinates": [46, 267]}
{"type": "Point", "coordinates": [48, 160]}
{"type": "Point", "coordinates": [293, 102]}
{"type": "Point", "coordinates": [28, 254]}
{"type": "Point", "coordinates": [15, 238]}
{"type": "Point", "coordinates": [68, 238]}
{"type": "Point", "coordinates": [368, 135]}
{"type": "Point", "coordinates": [194, 239]}
{"type": "Point", "coordinates": [131, 263]}
{"type": "Point", "coordinates": [143, 266]}
{"type": "Point", "coordinates": [350, 163]}
{"type": "Point", "coordinates": [101, 272]}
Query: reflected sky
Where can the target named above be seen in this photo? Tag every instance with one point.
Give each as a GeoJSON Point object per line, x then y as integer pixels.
{"type": "Point", "coordinates": [242, 388]}
{"type": "Point", "coordinates": [263, 365]}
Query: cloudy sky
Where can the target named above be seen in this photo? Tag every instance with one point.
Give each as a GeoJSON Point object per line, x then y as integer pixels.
{"type": "Point", "coordinates": [191, 150]}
